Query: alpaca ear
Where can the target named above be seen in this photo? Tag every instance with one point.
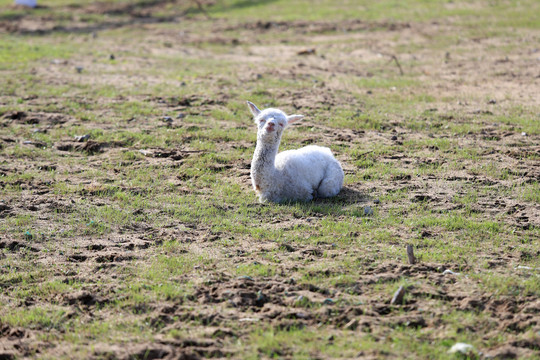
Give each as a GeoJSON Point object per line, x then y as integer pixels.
{"type": "Point", "coordinates": [294, 118]}
{"type": "Point", "coordinates": [254, 109]}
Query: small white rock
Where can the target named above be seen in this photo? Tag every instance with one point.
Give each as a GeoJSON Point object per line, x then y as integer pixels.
{"type": "Point", "coordinates": [449, 272]}
{"type": "Point", "coordinates": [461, 348]}
{"type": "Point", "coordinates": [248, 319]}
{"type": "Point", "coordinates": [524, 267]}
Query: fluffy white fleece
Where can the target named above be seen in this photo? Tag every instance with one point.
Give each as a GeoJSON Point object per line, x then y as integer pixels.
{"type": "Point", "coordinates": [297, 175]}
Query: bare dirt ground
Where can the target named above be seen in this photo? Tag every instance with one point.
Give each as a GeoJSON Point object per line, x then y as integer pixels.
{"type": "Point", "coordinates": [474, 82]}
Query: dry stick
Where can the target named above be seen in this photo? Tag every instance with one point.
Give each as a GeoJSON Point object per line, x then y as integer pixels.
{"type": "Point", "coordinates": [394, 57]}
{"type": "Point", "coordinates": [410, 254]}
{"type": "Point", "coordinates": [397, 63]}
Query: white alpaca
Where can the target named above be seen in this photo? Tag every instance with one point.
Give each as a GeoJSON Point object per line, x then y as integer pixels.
{"type": "Point", "coordinates": [297, 175]}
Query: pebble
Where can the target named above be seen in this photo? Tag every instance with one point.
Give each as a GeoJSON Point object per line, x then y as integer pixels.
{"type": "Point", "coordinates": [245, 277]}
{"type": "Point", "coordinates": [82, 138]}
{"type": "Point", "coordinates": [398, 296]}
{"type": "Point", "coordinates": [377, 201]}
{"type": "Point", "coordinates": [368, 211]}
{"type": "Point", "coordinates": [524, 134]}
{"type": "Point", "coordinates": [167, 119]}
{"type": "Point", "coordinates": [180, 116]}
{"type": "Point", "coordinates": [393, 138]}
{"type": "Point", "coordinates": [247, 319]}
{"type": "Point", "coordinates": [112, 57]}
{"type": "Point", "coordinates": [449, 272]}
{"type": "Point", "coordinates": [492, 101]}
{"type": "Point", "coordinates": [79, 69]}
{"type": "Point", "coordinates": [301, 315]}
{"type": "Point", "coordinates": [523, 267]}
{"type": "Point", "coordinates": [461, 348]}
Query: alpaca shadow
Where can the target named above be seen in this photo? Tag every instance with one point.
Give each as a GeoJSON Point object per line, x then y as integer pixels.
{"type": "Point", "coordinates": [347, 198]}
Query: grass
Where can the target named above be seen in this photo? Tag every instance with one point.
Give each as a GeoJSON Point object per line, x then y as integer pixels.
{"type": "Point", "coordinates": [161, 225]}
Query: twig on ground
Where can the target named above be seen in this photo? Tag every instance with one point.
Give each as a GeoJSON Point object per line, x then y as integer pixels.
{"type": "Point", "coordinates": [394, 57]}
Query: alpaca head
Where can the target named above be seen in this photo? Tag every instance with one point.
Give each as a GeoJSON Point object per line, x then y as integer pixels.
{"type": "Point", "coordinates": [271, 122]}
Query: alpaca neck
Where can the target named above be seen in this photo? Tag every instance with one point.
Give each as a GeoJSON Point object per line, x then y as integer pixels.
{"type": "Point", "coordinates": [263, 166]}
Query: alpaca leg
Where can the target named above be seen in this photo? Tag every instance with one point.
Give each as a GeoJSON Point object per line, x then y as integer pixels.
{"type": "Point", "coordinates": [332, 183]}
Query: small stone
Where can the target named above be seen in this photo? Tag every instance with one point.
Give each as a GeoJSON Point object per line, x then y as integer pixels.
{"type": "Point", "coordinates": [301, 315]}
{"type": "Point", "coordinates": [398, 296]}
{"type": "Point", "coordinates": [180, 116]}
{"type": "Point", "coordinates": [368, 211]}
{"type": "Point", "coordinates": [369, 92]}
{"type": "Point", "coordinates": [394, 138]}
{"type": "Point", "coordinates": [328, 302]}
{"type": "Point", "coordinates": [167, 119]}
{"type": "Point", "coordinates": [492, 101]}
{"type": "Point", "coordinates": [112, 57]}
{"type": "Point", "coordinates": [82, 138]}
{"type": "Point", "coordinates": [376, 201]}
{"type": "Point", "coordinates": [259, 76]}
{"type": "Point", "coordinates": [462, 348]}
{"type": "Point", "coordinates": [39, 131]}
{"type": "Point", "coordinates": [79, 69]}
{"type": "Point", "coordinates": [245, 277]}
{"type": "Point", "coordinates": [248, 319]}
{"type": "Point", "coordinates": [449, 272]}
{"type": "Point", "coordinates": [351, 325]}
{"type": "Point", "coordinates": [305, 52]}
{"type": "Point", "coordinates": [524, 134]}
